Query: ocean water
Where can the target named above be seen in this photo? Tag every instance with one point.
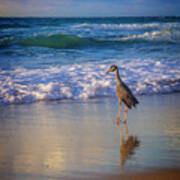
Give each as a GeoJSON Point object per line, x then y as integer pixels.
{"type": "Point", "coordinates": [66, 58]}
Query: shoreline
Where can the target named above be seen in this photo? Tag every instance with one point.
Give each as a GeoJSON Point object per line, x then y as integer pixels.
{"type": "Point", "coordinates": [88, 100]}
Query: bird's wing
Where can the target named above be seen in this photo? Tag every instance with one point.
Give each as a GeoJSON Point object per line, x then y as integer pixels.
{"type": "Point", "coordinates": [129, 99]}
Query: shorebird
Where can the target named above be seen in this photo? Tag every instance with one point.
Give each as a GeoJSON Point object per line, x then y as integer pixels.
{"type": "Point", "coordinates": [123, 93]}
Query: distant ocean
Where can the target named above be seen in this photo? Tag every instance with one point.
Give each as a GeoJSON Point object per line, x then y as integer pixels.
{"type": "Point", "coordinates": [66, 58]}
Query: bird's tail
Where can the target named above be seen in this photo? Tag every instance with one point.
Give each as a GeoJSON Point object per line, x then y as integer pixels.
{"type": "Point", "coordinates": [130, 102]}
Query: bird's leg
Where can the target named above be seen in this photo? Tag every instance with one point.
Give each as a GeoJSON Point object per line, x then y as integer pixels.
{"type": "Point", "coordinates": [120, 108]}
{"type": "Point", "coordinates": [118, 117]}
{"type": "Point", "coordinates": [125, 113]}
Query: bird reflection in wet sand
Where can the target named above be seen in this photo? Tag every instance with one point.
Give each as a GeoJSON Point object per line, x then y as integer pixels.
{"type": "Point", "coordinates": [128, 145]}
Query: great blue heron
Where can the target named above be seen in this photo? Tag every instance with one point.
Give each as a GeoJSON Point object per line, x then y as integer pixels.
{"type": "Point", "coordinates": [124, 94]}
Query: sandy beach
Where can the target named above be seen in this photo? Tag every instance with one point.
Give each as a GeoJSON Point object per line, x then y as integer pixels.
{"type": "Point", "coordinates": [80, 140]}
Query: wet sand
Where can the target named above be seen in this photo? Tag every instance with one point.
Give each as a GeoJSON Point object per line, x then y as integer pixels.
{"type": "Point", "coordinates": [80, 140]}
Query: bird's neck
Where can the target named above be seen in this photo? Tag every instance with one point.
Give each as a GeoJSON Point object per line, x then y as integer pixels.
{"type": "Point", "coordinates": [118, 79]}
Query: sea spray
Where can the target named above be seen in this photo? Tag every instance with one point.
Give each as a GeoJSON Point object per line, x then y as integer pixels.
{"type": "Point", "coordinates": [87, 81]}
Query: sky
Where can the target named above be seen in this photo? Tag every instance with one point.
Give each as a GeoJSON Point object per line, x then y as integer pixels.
{"type": "Point", "coordinates": [83, 8]}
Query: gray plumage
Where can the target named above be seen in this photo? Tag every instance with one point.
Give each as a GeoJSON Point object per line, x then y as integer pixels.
{"type": "Point", "coordinates": [122, 91]}
{"type": "Point", "coordinates": [124, 94]}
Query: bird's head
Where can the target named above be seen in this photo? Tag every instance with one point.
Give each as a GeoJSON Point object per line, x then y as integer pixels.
{"type": "Point", "coordinates": [112, 69]}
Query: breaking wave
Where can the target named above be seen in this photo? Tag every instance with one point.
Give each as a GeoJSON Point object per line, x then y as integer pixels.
{"type": "Point", "coordinates": [58, 41]}
{"type": "Point", "coordinates": [87, 81]}
{"type": "Point", "coordinates": [63, 41]}
{"type": "Point", "coordinates": [165, 35]}
{"type": "Point", "coordinates": [135, 26]}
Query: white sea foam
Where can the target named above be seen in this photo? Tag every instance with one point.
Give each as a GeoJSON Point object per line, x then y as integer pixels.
{"type": "Point", "coordinates": [87, 81]}
{"type": "Point", "coordinates": [134, 26]}
{"type": "Point", "coordinates": [169, 32]}
{"type": "Point", "coordinates": [164, 35]}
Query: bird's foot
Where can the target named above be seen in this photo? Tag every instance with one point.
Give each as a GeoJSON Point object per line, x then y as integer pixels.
{"type": "Point", "coordinates": [118, 120]}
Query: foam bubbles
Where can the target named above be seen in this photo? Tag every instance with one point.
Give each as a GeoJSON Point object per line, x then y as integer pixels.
{"type": "Point", "coordinates": [158, 63]}
{"type": "Point", "coordinates": [83, 81]}
{"type": "Point", "coordinates": [135, 26]}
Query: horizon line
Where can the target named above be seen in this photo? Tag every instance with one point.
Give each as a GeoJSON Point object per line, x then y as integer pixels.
{"type": "Point", "coordinates": [161, 16]}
